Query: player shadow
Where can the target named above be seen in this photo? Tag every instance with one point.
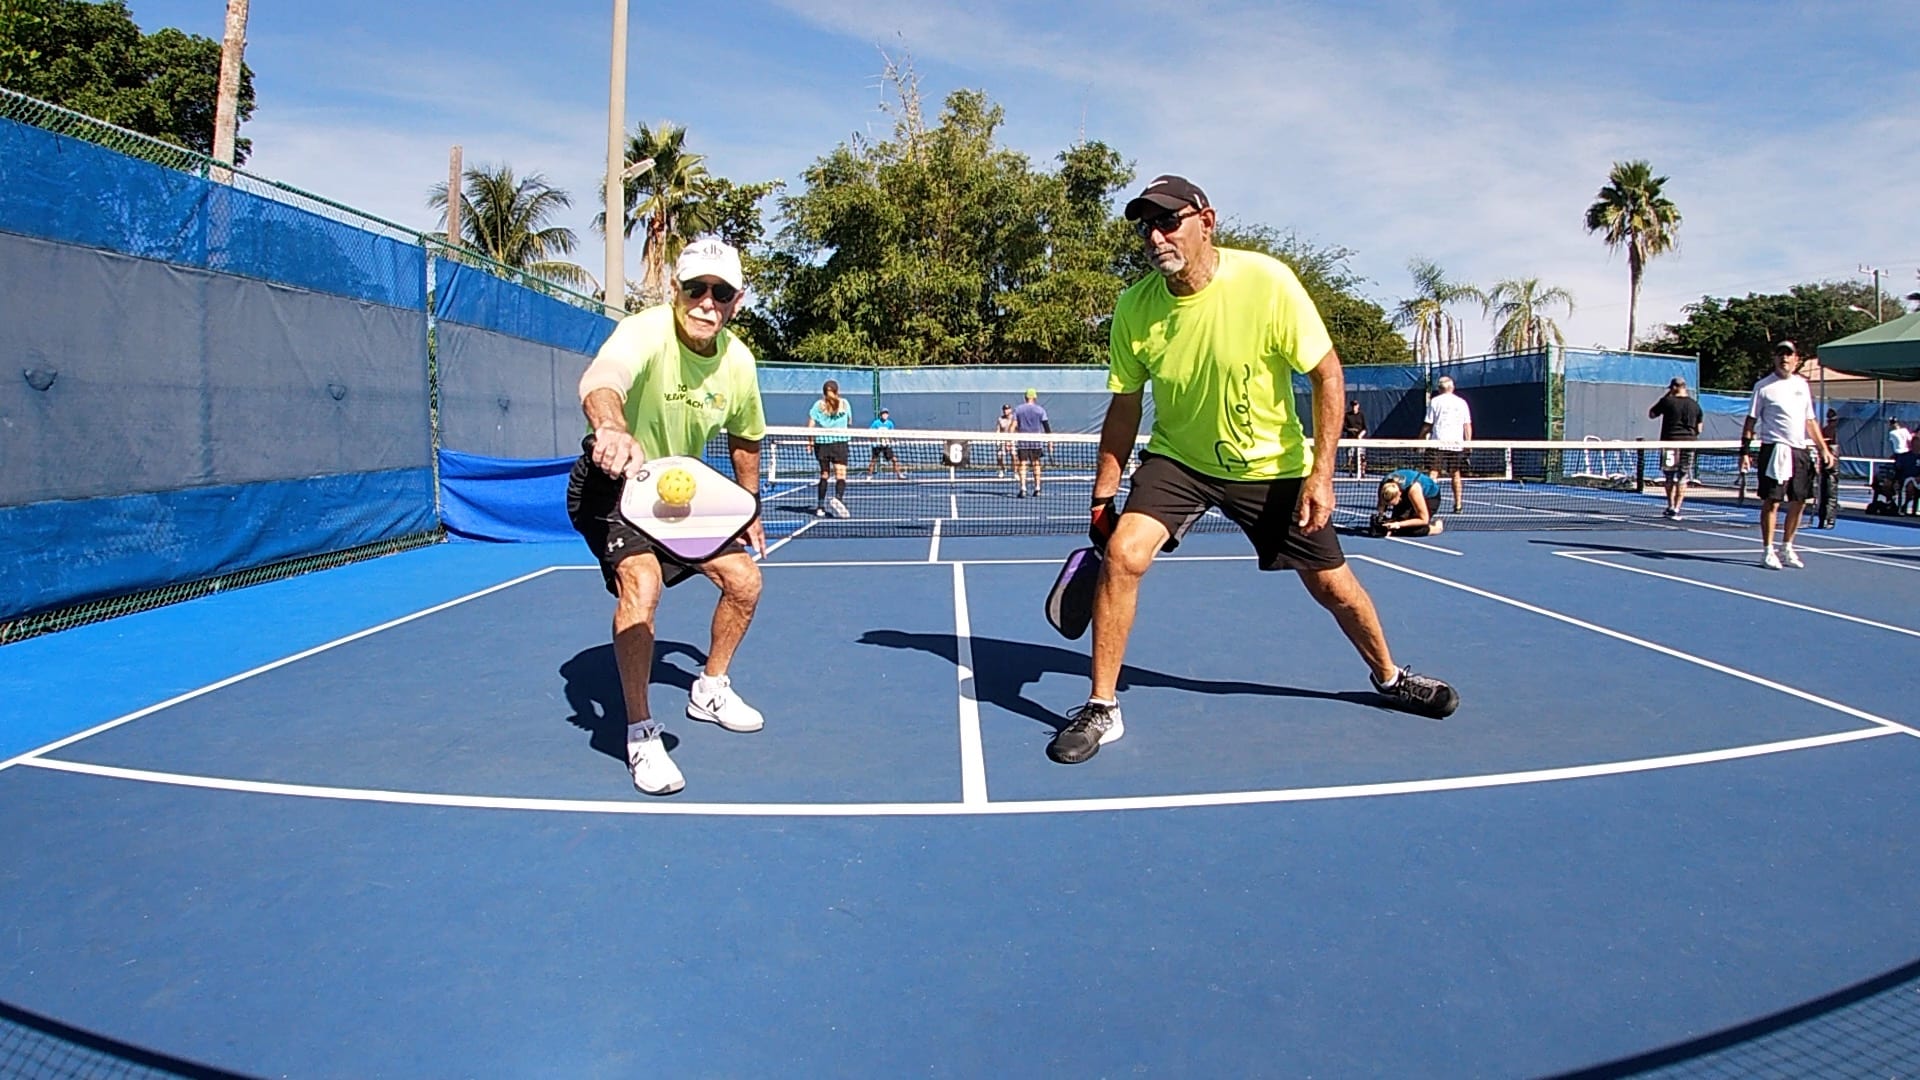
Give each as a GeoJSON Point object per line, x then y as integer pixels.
{"type": "Point", "coordinates": [1653, 554]}
{"type": "Point", "coordinates": [592, 688]}
{"type": "Point", "coordinates": [1003, 669]}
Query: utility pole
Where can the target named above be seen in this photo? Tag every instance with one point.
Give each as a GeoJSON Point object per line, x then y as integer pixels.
{"type": "Point", "coordinates": [226, 109]}
{"type": "Point", "coordinates": [1874, 271]}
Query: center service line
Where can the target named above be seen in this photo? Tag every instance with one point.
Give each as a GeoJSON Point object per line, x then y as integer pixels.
{"type": "Point", "coordinates": [973, 761]}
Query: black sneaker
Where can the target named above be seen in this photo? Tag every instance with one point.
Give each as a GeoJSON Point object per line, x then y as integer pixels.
{"type": "Point", "coordinates": [1422, 694]}
{"type": "Point", "coordinates": [1088, 728]}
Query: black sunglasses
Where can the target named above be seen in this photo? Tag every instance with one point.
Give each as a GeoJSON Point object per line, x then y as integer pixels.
{"type": "Point", "coordinates": [723, 293]}
{"type": "Point", "coordinates": [1166, 224]}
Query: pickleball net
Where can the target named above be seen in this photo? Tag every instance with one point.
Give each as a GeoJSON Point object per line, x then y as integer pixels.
{"type": "Point", "coordinates": [970, 483]}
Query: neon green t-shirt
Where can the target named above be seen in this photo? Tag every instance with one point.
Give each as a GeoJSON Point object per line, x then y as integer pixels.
{"type": "Point", "coordinates": [676, 399]}
{"type": "Point", "coordinates": [1221, 362]}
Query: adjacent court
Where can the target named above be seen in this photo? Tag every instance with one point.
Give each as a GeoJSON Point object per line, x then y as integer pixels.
{"type": "Point", "coordinates": [376, 821]}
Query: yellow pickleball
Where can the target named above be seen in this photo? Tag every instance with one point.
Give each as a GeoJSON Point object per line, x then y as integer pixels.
{"type": "Point", "coordinates": [676, 487]}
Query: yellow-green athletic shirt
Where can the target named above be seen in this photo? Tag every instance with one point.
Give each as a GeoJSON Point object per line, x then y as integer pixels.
{"type": "Point", "coordinates": [1221, 362]}
{"type": "Point", "coordinates": [675, 399]}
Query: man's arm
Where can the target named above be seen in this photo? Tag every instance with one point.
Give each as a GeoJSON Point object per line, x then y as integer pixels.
{"type": "Point", "coordinates": [1820, 440]}
{"type": "Point", "coordinates": [615, 450]}
{"type": "Point", "coordinates": [1329, 391]}
{"type": "Point", "coordinates": [1117, 433]}
{"type": "Point", "coordinates": [1653, 413]}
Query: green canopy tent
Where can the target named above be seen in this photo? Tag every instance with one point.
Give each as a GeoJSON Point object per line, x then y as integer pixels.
{"type": "Point", "coordinates": [1888, 351]}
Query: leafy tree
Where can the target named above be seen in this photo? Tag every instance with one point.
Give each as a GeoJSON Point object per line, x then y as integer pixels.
{"type": "Point", "coordinates": [93, 59]}
{"type": "Point", "coordinates": [1734, 337]}
{"type": "Point", "coordinates": [505, 218]}
{"type": "Point", "coordinates": [1519, 306]}
{"type": "Point", "coordinates": [1631, 212]}
{"type": "Point", "coordinates": [1436, 333]}
{"type": "Point", "coordinates": [1361, 331]}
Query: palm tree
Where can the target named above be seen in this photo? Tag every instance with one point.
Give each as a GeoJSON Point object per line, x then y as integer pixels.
{"type": "Point", "coordinates": [1519, 306]}
{"type": "Point", "coordinates": [1436, 333]}
{"type": "Point", "coordinates": [505, 219]}
{"type": "Point", "coordinates": [1631, 212]}
{"type": "Point", "coordinates": [671, 198]}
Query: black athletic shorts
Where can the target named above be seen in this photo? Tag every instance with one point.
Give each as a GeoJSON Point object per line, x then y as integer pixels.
{"type": "Point", "coordinates": [593, 505]}
{"type": "Point", "coordinates": [1676, 462]}
{"type": "Point", "coordinates": [1176, 496]}
{"type": "Point", "coordinates": [1030, 452]}
{"type": "Point", "coordinates": [1447, 462]}
{"type": "Point", "coordinates": [830, 453]}
{"type": "Point", "coordinates": [879, 451]}
{"type": "Point", "coordinates": [1796, 488]}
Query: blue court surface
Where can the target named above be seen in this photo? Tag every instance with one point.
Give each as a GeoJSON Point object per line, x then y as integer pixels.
{"type": "Point", "coordinates": [375, 821]}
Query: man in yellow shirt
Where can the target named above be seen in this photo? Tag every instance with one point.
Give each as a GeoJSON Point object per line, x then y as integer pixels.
{"type": "Point", "coordinates": [667, 380]}
{"type": "Point", "coordinates": [1219, 333]}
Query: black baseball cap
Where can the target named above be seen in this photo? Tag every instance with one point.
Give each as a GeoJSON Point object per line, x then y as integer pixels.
{"type": "Point", "coordinates": [1166, 193]}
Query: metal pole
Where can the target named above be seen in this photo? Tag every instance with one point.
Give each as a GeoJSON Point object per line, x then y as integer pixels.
{"type": "Point", "coordinates": [614, 283]}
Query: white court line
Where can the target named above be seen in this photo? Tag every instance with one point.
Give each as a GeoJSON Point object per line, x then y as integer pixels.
{"type": "Point", "coordinates": [1851, 557]}
{"type": "Point", "coordinates": [789, 538]}
{"type": "Point", "coordinates": [931, 809]}
{"type": "Point", "coordinates": [933, 547]}
{"type": "Point", "coordinates": [1423, 544]}
{"type": "Point", "coordinates": [1598, 561]}
{"type": "Point", "coordinates": [264, 668]}
{"type": "Point", "coordinates": [1654, 646]}
{"type": "Point", "coordinates": [973, 758]}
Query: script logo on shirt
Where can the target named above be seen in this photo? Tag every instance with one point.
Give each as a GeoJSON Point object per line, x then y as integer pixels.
{"type": "Point", "coordinates": [694, 397]}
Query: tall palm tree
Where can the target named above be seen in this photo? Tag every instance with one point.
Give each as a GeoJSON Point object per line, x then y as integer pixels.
{"type": "Point", "coordinates": [671, 199]}
{"type": "Point", "coordinates": [1519, 306]}
{"type": "Point", "coordinates": [1631, 212]}
{"type": "Point", "coordinates": [505, 218]}
{"type": "Point", "coordinates": [1436, 333]}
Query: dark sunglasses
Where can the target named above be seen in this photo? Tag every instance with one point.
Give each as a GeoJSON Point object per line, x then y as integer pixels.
{"type": "Point", "coordinates": [723, 293]}
{"type": "Point", "coordinates": [1166, 224]}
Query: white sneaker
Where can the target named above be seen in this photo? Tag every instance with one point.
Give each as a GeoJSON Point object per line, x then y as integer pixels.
{"type": "Point", "coordinates": [654, 773]}
{"type": "Point", "coordinates": [839, 508]}
{"type": "Point", "coordinates": [714, 701]}
{"type": "Point", "coordinates": [1792, 557]}
{"type": "Point", "coordinates": [1770, 560]}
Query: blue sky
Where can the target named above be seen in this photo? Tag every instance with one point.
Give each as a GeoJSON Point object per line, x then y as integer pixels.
{"type": "Point", "coordinates": [1474, 135]}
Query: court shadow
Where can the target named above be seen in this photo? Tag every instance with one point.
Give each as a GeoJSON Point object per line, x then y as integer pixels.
{"type": "Point", "coordinates": [1003, 669]}
{"type": "Point", "coordinates": [1653, 554]}
{"type": "Point", "coordinates": [592, 688]}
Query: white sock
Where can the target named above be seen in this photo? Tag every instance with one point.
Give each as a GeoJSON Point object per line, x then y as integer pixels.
{"type": "Point", "coordinates": [1389, 683]}
{"type": "Point", "coordinates": [642, 731]}
{"type": "Point", "coordinates": [1108, 702]}
{"type": "Point", "coordinates": [711, 684]}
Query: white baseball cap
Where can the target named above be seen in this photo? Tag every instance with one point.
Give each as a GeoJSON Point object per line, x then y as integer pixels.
{"type": "Point", "coordinates": [710, 258]}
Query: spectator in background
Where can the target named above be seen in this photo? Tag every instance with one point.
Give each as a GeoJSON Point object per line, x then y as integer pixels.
{"type": "Point", "coordinates": [1354, 426]}
{"type": "Point", "coordinates": [1829, 504]}
{"type": "Point", "coordinates": [1899, 439]}
{"type": "Point", "coordinates": [1680, 419]}
{"type": "Point", "coordinates": [1449, 422]}
{"type": "Point", "coordinates": [883, 448]}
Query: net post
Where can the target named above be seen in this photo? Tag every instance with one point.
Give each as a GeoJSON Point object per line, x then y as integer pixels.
{"type": "Point", "coordinates": [1640, 469]}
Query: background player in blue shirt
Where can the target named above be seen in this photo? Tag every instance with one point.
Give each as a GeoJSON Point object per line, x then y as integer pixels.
{"type": "Point", "coordinates": [1030, 418]}
{"type": "Point", "coordinates": [883, 448]}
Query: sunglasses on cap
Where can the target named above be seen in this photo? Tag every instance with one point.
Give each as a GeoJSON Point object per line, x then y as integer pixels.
{"type": "Point", "coordinates": [1166, 224]}
{"type": "Point", "coordinates": [723, 293]}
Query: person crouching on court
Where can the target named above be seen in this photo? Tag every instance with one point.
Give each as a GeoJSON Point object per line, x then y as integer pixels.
{"type": "Point", "coordinates": [666, 381]}
{"type": "Point", "coordinates": [1219, 333]}
{"type": "Point", "coordinates": [1408, 498]}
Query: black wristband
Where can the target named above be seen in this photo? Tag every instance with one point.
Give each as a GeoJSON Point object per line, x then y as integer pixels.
{"type": "Point", "coordinates": [1100, 501]}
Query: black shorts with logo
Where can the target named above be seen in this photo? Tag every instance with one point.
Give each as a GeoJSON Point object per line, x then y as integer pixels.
{"type": "Point", "coordinates": [830, 453]}
{"type": "Point", "coordinates": [1176, 496]}
{"type": "Point", "coordinates": [593, 505]}
{"type": "Point", "coordinates": [1796, 488]}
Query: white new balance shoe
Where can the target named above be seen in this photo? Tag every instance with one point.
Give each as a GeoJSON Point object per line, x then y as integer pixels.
{"type": "Point", "coordinates": [714, 701]}
{"type": "Point", "coordinates": [654, 773]}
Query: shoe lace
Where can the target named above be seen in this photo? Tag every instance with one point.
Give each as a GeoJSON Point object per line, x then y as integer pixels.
{"type": "Point", "coordinates": [1089, 715]}
{"type": "Point", "coordinates": [1421, 688]}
